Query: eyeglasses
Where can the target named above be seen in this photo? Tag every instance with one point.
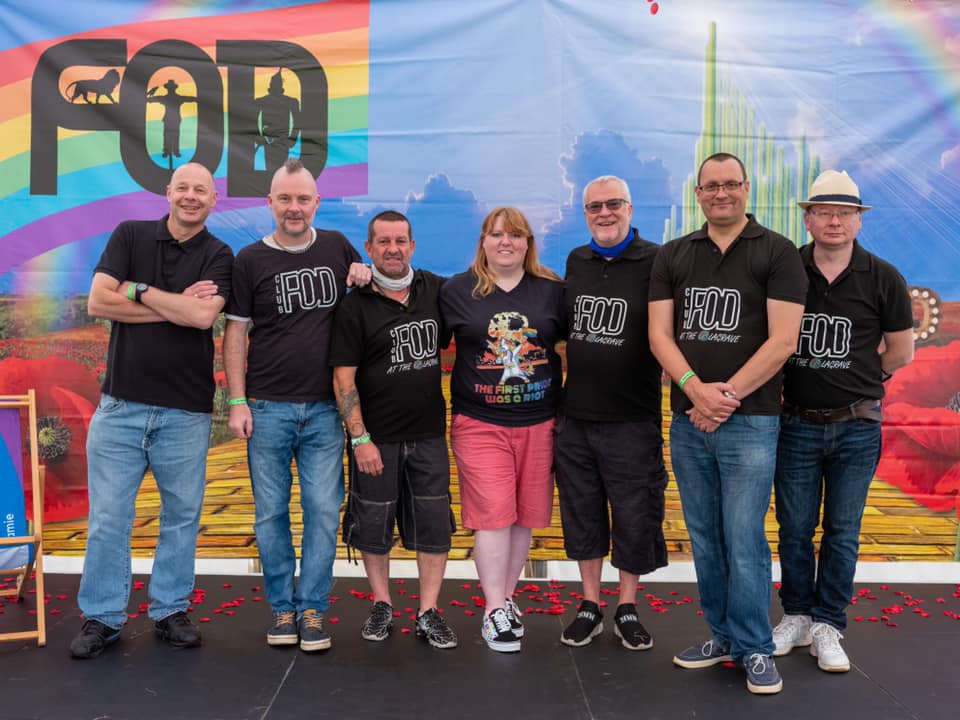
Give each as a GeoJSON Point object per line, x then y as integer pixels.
{"type": "Point", "coordinates": [612, 205]}
{"type": "Point", "coordinates": [841, 214]}
{"type": "Point", "coordinates": [728, 187]}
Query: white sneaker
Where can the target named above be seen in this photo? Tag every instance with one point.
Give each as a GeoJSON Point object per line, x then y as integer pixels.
{"type": "Point", "coordinates": [826, 648]}
{"type": "Point", "coordinates": [793, 631]}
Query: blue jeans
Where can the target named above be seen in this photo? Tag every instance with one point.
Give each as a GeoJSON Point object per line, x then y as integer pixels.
{"type": "Point", "coordinates": [124, 439]}
{"type": "Point", "coordinates": [725, 478]}
{"type": "Point", "coordinates": [312, 434]}
{"type": "Point", "coordinates": [832, 463]}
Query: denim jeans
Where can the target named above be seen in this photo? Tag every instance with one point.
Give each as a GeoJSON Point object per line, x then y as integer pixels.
{"type": "Point", "coordinates": [832, 463]}
{"type": "Point", "coordinates": [725, 478]}
{"type": "Point", "coordinates": [124, 439]}
{"type": "Point", "coordinates": [312, 434]}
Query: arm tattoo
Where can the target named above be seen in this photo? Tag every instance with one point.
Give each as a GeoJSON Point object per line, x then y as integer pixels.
{"type": "Point", "coordinates": [348, 402]}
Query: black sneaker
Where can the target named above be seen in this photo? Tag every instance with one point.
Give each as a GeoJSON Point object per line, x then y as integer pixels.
{"type": "Point", "coordinates": [312, 635]}
{"type": "Point", "coordinates": [586, 626]}
{"type": "Point", "coordinates": [93, 639]}
{"type": "Point", "coordinates": [627, 627]}
{"type": "Point", "coordinates": [177, 630]}
{"type": "Point", "coordinates": [377, 626]}
{"type": "Point", "coordinates": [434, 628]}
{"type": "Point", "coordinates": [514, 614]}
{"type": "Point", "coordinates": [284, 630]}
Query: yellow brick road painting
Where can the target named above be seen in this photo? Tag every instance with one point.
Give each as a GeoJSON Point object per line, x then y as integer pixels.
{"type": "Point", "coordinates": [894, 526]}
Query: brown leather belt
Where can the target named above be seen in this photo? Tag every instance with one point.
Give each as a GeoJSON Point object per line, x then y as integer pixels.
{"type": "Point", "coordinates": [862, 410]}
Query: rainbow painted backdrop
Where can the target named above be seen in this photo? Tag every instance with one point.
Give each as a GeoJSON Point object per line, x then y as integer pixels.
{"type": "Point", "coordinates": [444, 110]}
{"type": "Point", "coordinates": [52, 242]}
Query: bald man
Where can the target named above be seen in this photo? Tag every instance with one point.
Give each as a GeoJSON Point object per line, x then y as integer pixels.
{"type": "Point", "coordinates": [162, 284]}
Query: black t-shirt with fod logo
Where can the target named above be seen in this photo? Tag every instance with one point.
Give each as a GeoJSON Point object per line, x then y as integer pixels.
{"type": "Point", "coordinates": [837, 361]}
{"type": "Point", "coordinates": [720, 304]}
{"type": "Point", "coordinates": [611, 373]}
{"type": "Point", "coordinates": [396, 350]}
{"type": "Point", "coordinates": [290, 299]}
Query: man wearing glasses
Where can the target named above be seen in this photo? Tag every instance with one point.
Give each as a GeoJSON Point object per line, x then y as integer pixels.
{"type": "Point", "coordinates": [609, 446]}
{"type": "Point", "coordinates": [725, 309]}
{"type": "Point", "coordinates": [830, 428]}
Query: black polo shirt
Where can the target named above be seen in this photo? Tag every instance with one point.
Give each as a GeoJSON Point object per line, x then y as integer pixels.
{"type": "Point", "coordinates": [608, 345]}
{"type": "Point", "coordinates": [837, 362]}
{"type": "Point", "coordinates": [506, 370]}
{"type": "Point", "coordinates": [290, 298]}
{"type": "Point", "coordinates": [396, 350]}
{"type": "Point", "coordinates": [720, 304]}
{"type": "Point", "coordinates": [162, 363]}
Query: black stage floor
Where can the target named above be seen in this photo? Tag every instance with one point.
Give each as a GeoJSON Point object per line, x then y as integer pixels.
{"type": "Point", "coordinates": [904, 666]}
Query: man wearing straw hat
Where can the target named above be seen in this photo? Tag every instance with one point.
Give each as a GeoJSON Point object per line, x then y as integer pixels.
{"type": "Point", "coordinates": [830, 428]}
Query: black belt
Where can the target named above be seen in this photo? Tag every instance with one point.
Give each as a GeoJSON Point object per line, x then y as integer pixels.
{"type": "Point", "coordinates": [862, 410]}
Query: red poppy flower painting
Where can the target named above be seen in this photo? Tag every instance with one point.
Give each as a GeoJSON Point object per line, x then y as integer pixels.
{"type": "Point", "coordinates": [921, 430]}
{"type": "Point", "coordinates": [67, 395]}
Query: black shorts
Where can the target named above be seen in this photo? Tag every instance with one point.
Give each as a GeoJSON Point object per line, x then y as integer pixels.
{"type": "Point", "coordinates": [413, 491]}
{"type": "Point", "coordinates": [611, 481]}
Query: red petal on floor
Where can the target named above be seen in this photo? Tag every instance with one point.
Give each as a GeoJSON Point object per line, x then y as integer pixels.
{"type": "Point", "coordinates": [255, 588]}
{"type": "Point", "coordinates": [333, 621]}
{"type": "Point", "coordinates": [729, 664]}
{"type": "Point", "coordinates": [699, 612]}
{"type": "Point", "coordinates": [466, 586]}
{"type": "Point", "coordinates": [229, 612]}
{"type": "Point", "coordinates": [258, 599]}
{"type": "Point", "coordinates": [227, 585]}
{"type": "Point", "coordinates": [873, 619]}
{"type": "Point", "coordinates": [56, 612]}
{"type": "Point", "coordinates": [218, 611]}
{"type": "Point", "coordinates": [204, 619]}
{"type": "Point", "coordinates": [133, 616]}
{"type": "Point", "coordinates": [401, 592]}
{"type": "Point", "coordinates": [61, 597]}
{"type": "Point", "coordinates": [413, 597]}
{"type": "Point", "coordinates": [940, 601]}
{"type": "Point", "coordinates": [470, 612]}
{"type": "Point", "coordinates": [405, 631]}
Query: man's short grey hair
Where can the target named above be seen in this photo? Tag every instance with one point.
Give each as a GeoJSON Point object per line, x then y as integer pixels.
{"type": "Point", "coordinates": [609, 178]}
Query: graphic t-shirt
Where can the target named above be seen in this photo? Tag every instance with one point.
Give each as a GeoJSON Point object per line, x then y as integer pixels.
{"type": "Point", "coordinates": [290, 299]}
{"type": "Point", "coordinates": [611, 373]}
{"type": "Point", "coordinates": [720, 304]}
{"type": "Point", "coordinates": [837, 361]}
{"type": "Point", "coordinates": [396, 350]}
{"type": "Point", "coordinates": [506, 370]}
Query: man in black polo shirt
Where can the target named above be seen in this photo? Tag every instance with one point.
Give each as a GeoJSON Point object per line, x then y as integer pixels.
{"type": "Point", "coordinates": [162, 284]}
{"type": "Point", "coordinates": [386, 357]}
{"type": "Point", "coordinates": [725, 309]}
{"type": "Point", "coordinates": [609, 455]}
{"type": "Point", "coordinates": [830, 429]}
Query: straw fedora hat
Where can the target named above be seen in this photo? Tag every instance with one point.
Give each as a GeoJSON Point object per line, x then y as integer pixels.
{"type": "Point", "coordinates": [834, 188]}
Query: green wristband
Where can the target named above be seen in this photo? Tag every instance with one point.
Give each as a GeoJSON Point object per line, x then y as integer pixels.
{"type": "Point", "coordinates": [130, 292]}
{"type": "Point", "coordinates": [686, 376]}
{"type": "Point", "coordinates": [361, 440]}
{"type": "Point", "coordinates": [237, 401]}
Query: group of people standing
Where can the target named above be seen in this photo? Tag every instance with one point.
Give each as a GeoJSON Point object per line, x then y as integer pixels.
{"type": "Point", "coordinates": [732, 313]}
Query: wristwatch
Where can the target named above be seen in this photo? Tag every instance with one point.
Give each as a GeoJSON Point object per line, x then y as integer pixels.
{"type": "Point", "coordinates": [141, 288]}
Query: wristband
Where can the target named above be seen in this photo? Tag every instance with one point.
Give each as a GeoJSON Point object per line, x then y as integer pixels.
{"type": "Point", "coordinates": [361, 440]}
{"type": "Point", "coordinates": [686, 376]}
{"type": "Point", "coordinates": [130, 292]}
{"type": "Point", "coordinates": [237, 401]}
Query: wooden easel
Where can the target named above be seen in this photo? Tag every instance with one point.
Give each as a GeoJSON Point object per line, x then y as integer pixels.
{"type": "Point", "coordinates": [35, 565]}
